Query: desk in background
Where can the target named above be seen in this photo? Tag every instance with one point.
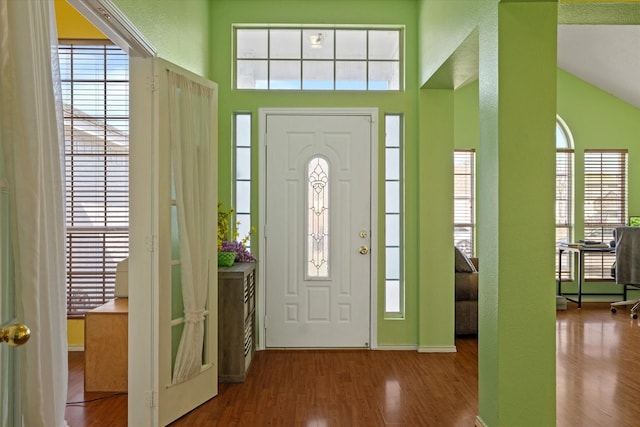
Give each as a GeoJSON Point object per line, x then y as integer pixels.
{"type": "Point", "coordinates": [579, 253]}
{"type": "Point", "coordinates": [106, 346]}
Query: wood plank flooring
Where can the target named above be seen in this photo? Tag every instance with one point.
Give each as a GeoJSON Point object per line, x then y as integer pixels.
{"type": "Point", "coordinates": [598, 384]}
{"type": "Point", "coordinates": [597, 367]}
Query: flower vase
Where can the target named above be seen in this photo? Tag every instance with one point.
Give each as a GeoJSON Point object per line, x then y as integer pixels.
{"type": "Point", "coordinates": [226, 259]}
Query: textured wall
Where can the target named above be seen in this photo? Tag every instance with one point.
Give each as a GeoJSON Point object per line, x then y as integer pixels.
{"type": "Point", "coordinates": [179, 30]}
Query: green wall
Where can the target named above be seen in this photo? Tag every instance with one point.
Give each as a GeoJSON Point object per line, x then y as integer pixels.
{"type": "Point", "coordinates": [467, 118]}
{"type": "Point", "coordinates": [179, 30]}
{"type": "Point", "coordinates": [224, 13]}
{"type": "Point", "coordinates": [444, 26]}
{"type": "Point", "coordinates": [436, 294]}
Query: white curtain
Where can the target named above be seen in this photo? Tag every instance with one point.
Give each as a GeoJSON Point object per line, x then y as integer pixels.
{"type": "Point", "coordinates": [31, 139]}
{"type": "Point", "coordinates": [190, 106]}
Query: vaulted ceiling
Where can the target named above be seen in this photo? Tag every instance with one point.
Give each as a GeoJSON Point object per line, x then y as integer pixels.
{"type": "Point", "coordinates": [606, 56]}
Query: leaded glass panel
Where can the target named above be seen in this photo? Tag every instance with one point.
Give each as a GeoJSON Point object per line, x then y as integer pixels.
{"type": "Point", "coordinates": [318, 218]}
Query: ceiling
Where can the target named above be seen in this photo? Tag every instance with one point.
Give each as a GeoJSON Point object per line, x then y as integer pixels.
{"type": "Point", "coordinates": [606, 56]}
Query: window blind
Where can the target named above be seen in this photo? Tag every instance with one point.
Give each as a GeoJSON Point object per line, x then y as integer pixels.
{"type": "Point", "coordinates": [95, 90]}
{"type": "Point", "coordinates": [464, 165]}
{"type": "Point", "coordinates": [605, 205]}
{"type": "Point", "coordinates": [564, 206]}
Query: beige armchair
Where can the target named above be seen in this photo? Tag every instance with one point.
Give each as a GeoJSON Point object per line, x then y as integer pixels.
{"type": "Point", "coordinates": [466, 294]}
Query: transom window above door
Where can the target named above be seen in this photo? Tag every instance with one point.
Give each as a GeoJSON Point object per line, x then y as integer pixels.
{"type": "Point", "coordinates": [318, 59]}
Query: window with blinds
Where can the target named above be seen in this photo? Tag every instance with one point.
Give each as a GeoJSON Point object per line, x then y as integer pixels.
{"type": "Point", "coordinates": [464, 199]}
{"type": "Point", "coordinates": [605, 205]}
{"type": "Point", "coordinates": [95, 87]}
{"type": "Point", "coordinates": [564, 206]}
{"type": "Point", "coordinates": [564, 195]}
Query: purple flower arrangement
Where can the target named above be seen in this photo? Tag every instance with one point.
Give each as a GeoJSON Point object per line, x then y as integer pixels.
{"type": "Point", "coordinates": [242, 253]}
{"type": "Point", "coordinates": [228, 236]}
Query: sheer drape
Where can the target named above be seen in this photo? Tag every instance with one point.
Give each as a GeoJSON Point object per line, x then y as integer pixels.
{"type": "Point", "coordinates": [190, 106]}
{"type": "Point", "coordinates": [31, 140]}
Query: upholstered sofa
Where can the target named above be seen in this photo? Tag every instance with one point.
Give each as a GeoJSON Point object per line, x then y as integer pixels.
{"type": "Point", "coordinates": [466, 294]}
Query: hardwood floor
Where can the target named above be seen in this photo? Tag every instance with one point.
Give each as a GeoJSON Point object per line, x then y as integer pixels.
{"type": "Point", "coordinates": [598, 384]}
{"type": "Point", "coordinates": [109, 411]}
{"type": "Point", "coordinates": [597, 367]}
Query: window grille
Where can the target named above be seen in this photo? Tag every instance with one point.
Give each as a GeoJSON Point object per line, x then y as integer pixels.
{"type": "Point", "coordinates": [318, 59]}
{"type": "Point", "coordinates": [95, 89]}
{"type": "Point", "coordinates": [394, 281]}
{"type": "Point", "coordinates": [242, 138]}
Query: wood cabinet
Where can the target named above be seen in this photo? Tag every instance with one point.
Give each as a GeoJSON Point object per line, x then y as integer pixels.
{"type": "Point", "coordinates": [106, 346]}
{"type": "Point", "coordinates": [236, 320]}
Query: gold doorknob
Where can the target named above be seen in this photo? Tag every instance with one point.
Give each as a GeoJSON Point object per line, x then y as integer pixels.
{"type": "Point", "coordinates": [364, 250]}
{"type": "Point", "coordinates": [15, 335]}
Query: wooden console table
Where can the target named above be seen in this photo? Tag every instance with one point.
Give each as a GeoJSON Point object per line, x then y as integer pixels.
{"type": "Point", "coordinates": [106, 346]}
{"type": "Point", "coordinates": [236, 320]}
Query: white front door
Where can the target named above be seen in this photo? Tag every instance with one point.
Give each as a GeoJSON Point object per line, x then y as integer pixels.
{"type": "Point", "coordinates": [318, 230]}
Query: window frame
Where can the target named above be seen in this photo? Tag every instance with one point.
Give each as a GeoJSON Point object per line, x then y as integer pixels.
{"type": "Point", "coordinates": [470, 197]}
{"type": "Point", "coordinates": [565, 161]}
{"type": "Point", "coordinates": [617, 163]}
{"type": "Point", "coordinates": [243, 218]}
{"type": "Point", "coordinates": [321, 223]}
{"type": "Point", "coordinates": [301, 59]}
{"type": "Point", "coordinates": [398, 182]}
{"type": "Point", "coordinates": [93, 251]}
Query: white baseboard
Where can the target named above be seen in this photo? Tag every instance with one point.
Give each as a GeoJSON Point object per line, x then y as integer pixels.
{"type": "Point", "coordinates": [409, 347]}
{"type": "Point", "coordinates": [75, 348]}
{"type": "Point", "coordinates": [437, 349]}
{"type": "Point", "coordinates": [396, 347]}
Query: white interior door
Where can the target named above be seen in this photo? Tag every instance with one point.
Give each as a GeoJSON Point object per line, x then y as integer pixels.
{"type": "Point", "coordinates": [156, 312]}
{"type": "Point", "coordinates": [318, 230]}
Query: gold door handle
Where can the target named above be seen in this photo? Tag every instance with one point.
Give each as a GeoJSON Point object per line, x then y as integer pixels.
{"type": "Point", "coordinates": [364, 250]}
{"type": "Point", "coordinates": [15, 335]}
